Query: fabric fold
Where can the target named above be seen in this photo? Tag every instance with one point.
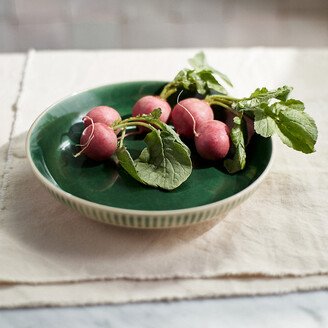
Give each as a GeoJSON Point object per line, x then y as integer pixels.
{"type": "Point", "coordinates": [123, 291]}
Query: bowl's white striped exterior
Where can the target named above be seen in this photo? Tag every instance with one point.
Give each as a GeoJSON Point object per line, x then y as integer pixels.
{"type": "Point", "coordinates": [150, 219]}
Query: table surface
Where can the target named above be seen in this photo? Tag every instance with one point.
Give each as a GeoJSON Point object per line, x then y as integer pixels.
{"type": "Point", "coordinates": [293, 310]}
{"type": "Point", "coordinates": [308, 309]}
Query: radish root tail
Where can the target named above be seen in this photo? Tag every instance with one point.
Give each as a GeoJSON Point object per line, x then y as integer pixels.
{"type": "Point", "coordinates": [91, 136]}
{"type": "Point", "coordinates": [186, 109]}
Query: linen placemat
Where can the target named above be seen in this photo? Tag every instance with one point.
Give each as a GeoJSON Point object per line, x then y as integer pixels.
{"type": "Point", "coordinates": [11, 68]}
{"type": "Point", "coordinates": [274, 242]}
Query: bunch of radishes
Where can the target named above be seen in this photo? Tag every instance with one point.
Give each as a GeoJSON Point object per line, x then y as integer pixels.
{"type": "Point", "coordinates": [167, 158]}
{"type": "Point", "coordinates": [191, 118]}
{"type": "Point", "coordinates": [164, 163]}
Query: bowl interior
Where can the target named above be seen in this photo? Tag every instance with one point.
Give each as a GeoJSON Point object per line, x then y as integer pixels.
{"type": "Point", "coordinates": [53, 142]}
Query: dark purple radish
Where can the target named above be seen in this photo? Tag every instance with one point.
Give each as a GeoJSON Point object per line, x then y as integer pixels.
{"type": "Point", "coordinates": [249, 123]}
{"type": "Point", "coordinates": [188, 114]}
{"type": "Point", "coordinates": [98, 142]}
{"type": "Point", "coordinates": [147, 104]}
{"type": "Point", "coordinates": [212, 140]}
{"type": "Point", "coordinates": [101, 114]}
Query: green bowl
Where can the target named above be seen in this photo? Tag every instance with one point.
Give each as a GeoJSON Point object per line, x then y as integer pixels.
{"type": "Point", "coordinates": [104, 192]}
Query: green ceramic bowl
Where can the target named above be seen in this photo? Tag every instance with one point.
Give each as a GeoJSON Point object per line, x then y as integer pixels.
{"type": "Point", "coordinates": [104, 192]}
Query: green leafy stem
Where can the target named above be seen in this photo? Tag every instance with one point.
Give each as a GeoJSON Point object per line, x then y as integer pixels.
{"type": "Point", "coordinates": [200, 78]}
{"type": "Point", "coordinates": [272, 112]}
{"type": "Point", "coordinates": [269, 111]}
{"type": "Point", "coordinates": [164, 163]}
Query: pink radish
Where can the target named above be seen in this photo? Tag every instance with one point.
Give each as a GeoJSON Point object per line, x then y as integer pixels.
{"type": "Point", "coordinates": [101, 114]}
{"type": "Point", "coordinates": [147, 104]}
{"type": "Point", "coordinates": [98, 142]}
{"type": "Point", "coordinates": [212, 140]}
{"type": "Point", "coordinates": [188, 114]}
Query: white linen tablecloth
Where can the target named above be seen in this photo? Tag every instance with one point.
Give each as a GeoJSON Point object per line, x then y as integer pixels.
{"type": "Point", "coordinates": [275, 242]}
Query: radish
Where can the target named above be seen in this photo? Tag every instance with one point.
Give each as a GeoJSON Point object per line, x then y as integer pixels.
{"type": "Point", "coordinates": [212, 140]}
{"type": "Point", "coordinates": [188, 114]}
{"type": "Point", "coordinates": [98, 142]}
{"type": "Point", "coordinates": [147, 104]}
{"type": "Point", "coordinates": [101, 114]}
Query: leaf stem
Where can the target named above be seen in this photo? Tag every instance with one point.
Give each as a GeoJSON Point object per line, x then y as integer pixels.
{"type": "Point", "coordinates": [226, 106]}
{"type": "Point", "coordinates": [138, 123]}
{"type": "Point", "coordinates": [120, 145]}
{"type": "Point", "coordinates": [132, 119]}
{"type": "Point", "coordinates": [168, 90]}
{"type": "Point", "coordinates": [223, 97]}
{"type": "Point", "coordinates": [221, 104]}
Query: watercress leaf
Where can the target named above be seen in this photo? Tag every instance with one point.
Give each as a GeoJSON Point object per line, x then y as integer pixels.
{"type": "Point", "coordinates": [261, 96]}
{"type": "Point", "coordinates": [175, 136]}
{"type": "Point", "coordinates": [289, 104]}
{"type": "Point", "coordinates": [282, 93]}
{"type": "Point", "coordinates": [222, 76]}
{"type": "Point", "coordinates": [183, 79]}
{"type": "Point", "coordinates": [165, 163]}
{"type": "Point", "coordinates": [295, 104]}
{"type": "Point", "coordinates": [200, 79]}
{"type": "Point", "coordinates": [211, 81]}
{"type": "Point", "coordinates": [259, 92]}
{"type": "Point", "coordinates": [197, 82]}
{"type": "Point", "coordinates": [238, 161]}
{"type": "Point", "coordinates": [246, 104]}
{"type": "Point", "coordinates": [264, 124]}
{"type": "Point", "coordinates": [199, 62]}
{"type": "Point", "coordinates": [297, 130]}
{"type": "Point", "coordinates": [127, 163]}
{"type": "Point", "coordinates": [264, 94]}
